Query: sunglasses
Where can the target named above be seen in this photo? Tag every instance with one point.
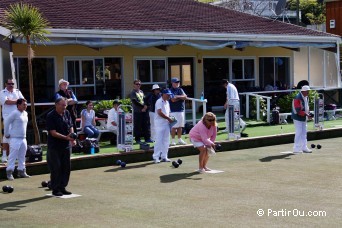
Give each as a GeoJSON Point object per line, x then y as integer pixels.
{"type": "Point", "coordinates": [138, 84]}
{"type": "Point", "coordinates": [210, 120]}
{"type": "Point", "coordinates": [10, 83]}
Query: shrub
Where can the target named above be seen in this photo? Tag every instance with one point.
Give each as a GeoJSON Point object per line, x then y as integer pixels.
{"type": "Point", "coordinates": [285, 102]}
{"type": "Point", "coordinates": [100, 106]}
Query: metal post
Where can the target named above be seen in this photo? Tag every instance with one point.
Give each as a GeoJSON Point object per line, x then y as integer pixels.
{"type": "Point", "coordinates": [258, 107]}
{"type": "Point", "coordinates": [247, 106]}
{"type": "Point", "coordinates": [268, 109]}
{"type": "Point", "coordinates": [193, 112]}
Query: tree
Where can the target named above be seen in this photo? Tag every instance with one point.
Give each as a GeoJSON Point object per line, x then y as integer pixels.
{"type": "Point", "coordinates": [25, 21]}
{"type": "Point", "coordinates": [313, 11]}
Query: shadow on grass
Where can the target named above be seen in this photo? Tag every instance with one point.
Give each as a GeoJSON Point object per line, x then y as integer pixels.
{"type": "Point", "coordinates": [17, 205]}
{"type": "Point", "coordinates": [169, 178]}
{"type": "Point", "coordinates": [129, 166]}
{"type": "Point", "coordinates": [271, 158]}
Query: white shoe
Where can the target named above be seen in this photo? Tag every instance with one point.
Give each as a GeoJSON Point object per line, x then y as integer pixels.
{"type": "Point", "coordinates": [173, 144]}
{"type": "Point", "coordinates": [165, 160]}
{"type": "Point", "coordinates": [156, 161]}
{"type": "Point", "coordinates": [201, 171]}
{"type": "Point", "coordinates": [181, 142]}
{"type": "Point", "coordinates": [4, 159]}
{"type": "Point", "coordinates": [297, 152]}
{"type": "Point", "coordinates": [307, 150]}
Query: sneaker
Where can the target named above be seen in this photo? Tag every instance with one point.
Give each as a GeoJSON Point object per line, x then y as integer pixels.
{"type": "Point", "coordinates": [207, 169]}
{"type": "Point", "coordinates": [156, 161]}
{"type": "Point", "coordinates": [22, 174]}
{"type": "Point", "coordinates": [9, 175]}
{"type": "Point", "coordinates": [181, 142]}
{"type": "Point", "coordinates": [200, 171]}
{"type": "Point", "coordinates": [307, 150]}
{"type": "Point", "coordinates": [165, 160]}
{"type": "Point", "coordinates": [4, 159]}
{"type": "Point", "coordinates": [149, 141]}
{"type": "Point", "coordinates": [173, 144]}
{"type": "Point", "coordinates": [57, 193]}
{"type": "Point", "coordinates": [138, 141]}
{"type": "Point", "coordinates": [297, 152]}
{"type": "Point", "coordinates": [65, 192]}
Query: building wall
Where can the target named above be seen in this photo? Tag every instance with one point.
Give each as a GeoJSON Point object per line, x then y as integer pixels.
{"type": "Point", "coordinates": [334, 11]}
{"type": "Point", "coordinates": [299, 60]}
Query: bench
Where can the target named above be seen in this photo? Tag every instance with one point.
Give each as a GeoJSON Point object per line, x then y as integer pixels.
{"type": "Point", "coordinates": [102, 128]}
{"type": "Point", "coordinates": [283, 117]}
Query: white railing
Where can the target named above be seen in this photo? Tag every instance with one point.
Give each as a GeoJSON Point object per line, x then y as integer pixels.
{"type": "Point", "coordinates": [194, 107]}
{"type": "Point", "coordinates": [268, 112]}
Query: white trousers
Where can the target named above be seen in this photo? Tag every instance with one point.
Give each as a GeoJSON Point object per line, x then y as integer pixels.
{"type": "Point", "coordinates": [242, 123]}
{"type": "Point", "coordinates": [161, 145]}
{"type": "Point", "coordinates": [300, 140]}
{"type": "Point", "coordinates": [153, 130]}
{"type": "Point", "coordinates": [18, 147]}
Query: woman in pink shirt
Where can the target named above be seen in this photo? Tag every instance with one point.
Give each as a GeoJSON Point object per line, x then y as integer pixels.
{"type": "Point", "coordinates": [203, 136]}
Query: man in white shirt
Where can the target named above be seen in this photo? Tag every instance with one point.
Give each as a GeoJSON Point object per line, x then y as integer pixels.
{"type": "Point", "coordinates": [113, 117]}
{"type": "Point", "coordinates": [15, 131]}
{"type": "Point", "coordinates": [8, 99]}
{"type": "Point", "coordinates": [232, 95]}
{"type": "Point", "coordinates": [162, 127]}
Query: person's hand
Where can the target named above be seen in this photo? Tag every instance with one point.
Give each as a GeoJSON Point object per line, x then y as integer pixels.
{"type": "Point", "coordinates": [225, 106]}
{"type": "Point", "coordinates": [7, 136]}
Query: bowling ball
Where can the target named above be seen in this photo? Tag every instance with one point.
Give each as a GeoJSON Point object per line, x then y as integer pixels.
{"type": "Point", "coordinates": [218, 147]}
{"type": "Point", "coordinates": [73, 135]}
{"type": "Point", "coordinates": [313, 145]}
{"type": "Point", "coordinates": [179, 161]}
{"type": "Point", "coordinates": [175, 164]}
{"type": "Point", "coordinates": [319, 146]}
{"type": "Point", "coordinates": [118, 162]}
{"type": "Point", "coordinates": [123, 164]}
{"type": "Point", "coordinates": [44, 184]}
{"type": "Point", "coordinates": [10, 189]}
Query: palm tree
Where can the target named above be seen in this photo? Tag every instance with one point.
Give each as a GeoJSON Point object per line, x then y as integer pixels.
{"type": "Point", "coordinates": [25, 21]}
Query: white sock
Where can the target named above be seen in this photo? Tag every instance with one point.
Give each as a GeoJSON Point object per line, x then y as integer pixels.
{"type": "Point", "coordinates": [4, 154]}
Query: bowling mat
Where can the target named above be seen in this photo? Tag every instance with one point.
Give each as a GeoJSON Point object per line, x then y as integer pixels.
{"type": "Point", "coordinates": [287, 152]}
{"type": "Point", "coordinates": [64, 196]}
{"type": "Point", "coordinates": [214, 171]}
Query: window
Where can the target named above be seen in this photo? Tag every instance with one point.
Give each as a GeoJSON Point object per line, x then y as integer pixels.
{"type": "Point", "coordinates": [274, 72]}
{"type": "Point", "coordinates": [151, 71]}
{"type": "Point", "coordinates": [43, 78]}
{"type": "Point", "coordinates": [98, 78]}
{"type": "Point", "coordinates": [243, 74]}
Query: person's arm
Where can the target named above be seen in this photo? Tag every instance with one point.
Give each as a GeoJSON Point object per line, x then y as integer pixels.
{"type": "Point", "coordinates": [160, 113]}
{"type": "Point", "coordinates": [7, 123]}
{"type": "Point", "coordinates": [83, 119]}
{"type": "Point", "coordinates": [94, 121]}
{"type": "Point", "coordinates": [205, 138]}
{"type": "Point", "coordinates": [298, 107]}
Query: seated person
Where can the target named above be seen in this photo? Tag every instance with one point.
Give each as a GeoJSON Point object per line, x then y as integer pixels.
{"type": "Point", "coordinates": [88, 124]}
{"type": "Point", "coordinates": [113, 116]}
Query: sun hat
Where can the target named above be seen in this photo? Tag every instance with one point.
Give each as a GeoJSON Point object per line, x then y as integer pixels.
{"type": "Point", "coordinates": [305, 88]}
{"type": "Point", "coordinates": [155, 86]}
{"type": "Point", "coordinates": [63, 81]}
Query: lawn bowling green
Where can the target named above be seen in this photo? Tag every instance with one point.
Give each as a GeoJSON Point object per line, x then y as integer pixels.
{"type": "Point", "coordinates": [144, 194]}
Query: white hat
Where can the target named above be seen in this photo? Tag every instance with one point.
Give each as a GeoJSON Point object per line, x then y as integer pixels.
{"type": "Point", "coordinates": [62, 81]}
{"type": "Point", "coordinates": [155, 86]}
{"type": "Point", "coordinates": [305, 88]}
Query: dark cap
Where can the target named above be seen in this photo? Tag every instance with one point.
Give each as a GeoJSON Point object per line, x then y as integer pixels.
{"type": "Point", "coordinates": [116, 101]}
{"type": "Point", "coordinates": [175, 80]}
{"type": "Point", "coordinates": [166, 91]}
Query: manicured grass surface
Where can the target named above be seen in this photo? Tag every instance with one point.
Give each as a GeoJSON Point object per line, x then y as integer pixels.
{"type": "Point", "coordinates": [157, 195]}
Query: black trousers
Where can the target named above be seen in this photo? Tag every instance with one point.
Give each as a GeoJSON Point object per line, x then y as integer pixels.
{"type": "Point", "coordinates": [142, 126]}
{"type": "Point", "coordinates": [59, 164]}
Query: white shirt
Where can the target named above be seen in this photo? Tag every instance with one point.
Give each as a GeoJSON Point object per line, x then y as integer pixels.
{"type": "Point", "coordinates": [113, 115]}
{"type": "Point", "coordinates": [7, 95]}
{"type": "Point", "coordinates": [232, 92]}
{"type": "Point", "coordinates": [18, 121]}
{"type": "Point", "coordinates": [165, 108]}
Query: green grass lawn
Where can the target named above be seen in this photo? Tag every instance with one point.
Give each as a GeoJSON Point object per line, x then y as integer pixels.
{"type": "Point", "coordinates": [254, 129]}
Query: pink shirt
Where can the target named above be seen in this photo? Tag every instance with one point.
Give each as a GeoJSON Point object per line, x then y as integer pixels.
{"type": "Point", "coordinates": [201, 133]}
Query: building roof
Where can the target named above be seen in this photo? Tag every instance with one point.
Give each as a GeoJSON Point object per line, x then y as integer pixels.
{"type": "Point", "coordinates": [164, 19]}
{"type": "Point", "coordinates": [157, 15]}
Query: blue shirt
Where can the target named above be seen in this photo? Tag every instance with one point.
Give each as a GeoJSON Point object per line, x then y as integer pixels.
{"type": "Point", "coordinates": [178, 106]}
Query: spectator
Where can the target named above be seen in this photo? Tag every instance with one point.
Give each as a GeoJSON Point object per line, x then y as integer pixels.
{"type": "Point", "coordinates": [177, 106]}
{"type": "Point", "coordinates": [141, 118]}
{"type": "Point", "coordinates": [60, 126]}
{"type": "Point", "coordinates": [162, 120]}
{"type": "Point", "coordinates": [15, 130]}
{"type": "Point", "coordinates": [71, 100]}
{"type": "Point", "coordinates": [300, 114]}
{"type": "Point", "coordinates": [151, 101]}
{"type": "Point", "coordinates": [203, 136]}
{"type": "Point", "coordinates": [8, 99]}
{"type": "Point", "coordinates": [88, 123]}
{"type": "Point", "coordinates": [113, 117]}
{"type": "Point", "coordinates": [232, 97]}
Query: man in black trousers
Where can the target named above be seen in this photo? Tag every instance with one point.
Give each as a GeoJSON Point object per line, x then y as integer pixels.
{"type": "Point", "coordinates": [59, 125]}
